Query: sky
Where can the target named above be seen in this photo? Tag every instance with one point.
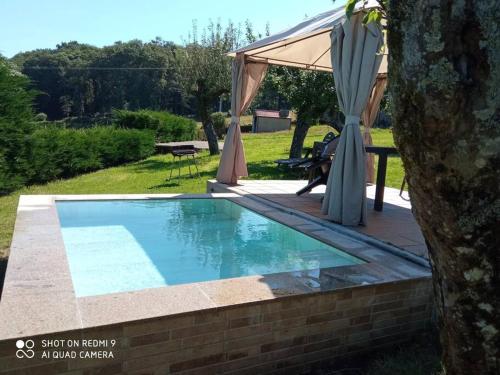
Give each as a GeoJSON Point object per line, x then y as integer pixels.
{"type": "Point", "coordinates": [30, 24]}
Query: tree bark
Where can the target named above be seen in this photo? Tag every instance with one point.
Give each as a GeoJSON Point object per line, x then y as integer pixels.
{"type": "Point", "coordinates": [213, 141]}
{"type": "Point", "coordinates": [208, 127]}
{"type": "Point", "coordinates": [299, 135]}
{"type": "Point", "coordinates": [444, 79]}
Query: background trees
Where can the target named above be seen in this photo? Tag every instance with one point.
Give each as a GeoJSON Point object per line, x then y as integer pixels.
{"type": "Point", "coordinates": [205, 72]}
{"type": "Point", "coordinates": [80, 80]}
{"type": "Point", "coordinates": [86, 83]}
{"type": "Point", "coordinates": [311, 94]}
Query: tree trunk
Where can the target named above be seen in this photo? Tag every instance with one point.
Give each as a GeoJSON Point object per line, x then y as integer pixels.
{"type": "Point", "coordinates": [208, 128]}
{"type": "Point", "coordinates": [299, 135]}
{"type": "Point", "coordinates": [444, 77]}
{"type": "Point", "coordinates": [213, 142]}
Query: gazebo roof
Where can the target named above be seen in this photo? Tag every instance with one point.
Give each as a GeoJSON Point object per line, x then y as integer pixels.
{"type": "Point", "coordinates": [305, 46]}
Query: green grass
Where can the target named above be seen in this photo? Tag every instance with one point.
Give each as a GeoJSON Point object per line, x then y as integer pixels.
{"type": "Point", "coordinates": [149, 176]}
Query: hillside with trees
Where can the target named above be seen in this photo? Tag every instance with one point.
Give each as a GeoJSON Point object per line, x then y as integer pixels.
{"type": "Point", "coordinates": [80, 80]}
{"type": "Point", "coordinates": [84, 84]}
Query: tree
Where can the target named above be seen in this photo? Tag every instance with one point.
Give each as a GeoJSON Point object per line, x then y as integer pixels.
{"type": "Point", "coordinates": [136, 75]}
{"type": "Point", "coordinates": [206, 72]}
{"type": "Point", "coordinates": [61, 75]}
{"type": "Point", "coordinates": [15, 127]}
{"type": "Point", "coordinates": [446, 113]}
{"type": "Point", "coordinates": [82, 80]}
{"type": "Point", "coordinates": [311, 94]}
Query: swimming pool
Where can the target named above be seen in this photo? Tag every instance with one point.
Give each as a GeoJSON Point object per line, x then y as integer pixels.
{"type": "Point", "coordinates": [126, 245]}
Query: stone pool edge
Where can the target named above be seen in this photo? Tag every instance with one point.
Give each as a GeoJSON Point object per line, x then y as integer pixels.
{"type": "Point", "coordinates": [39, 298]}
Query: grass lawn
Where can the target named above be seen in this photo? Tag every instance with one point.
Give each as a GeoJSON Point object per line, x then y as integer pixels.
{"type": "Point", "coordinates": [149, 176]}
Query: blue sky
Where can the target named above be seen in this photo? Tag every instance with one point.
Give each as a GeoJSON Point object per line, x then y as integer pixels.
{"type": "Point", "coordinates": [31, 24]}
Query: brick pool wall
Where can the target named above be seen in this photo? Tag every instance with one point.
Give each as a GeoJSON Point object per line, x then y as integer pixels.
{"type": "Point", "coordinates": [289, 334]}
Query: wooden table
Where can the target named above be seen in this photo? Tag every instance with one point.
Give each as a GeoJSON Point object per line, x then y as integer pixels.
{"type": "Point", "coordinates": [382, 153]}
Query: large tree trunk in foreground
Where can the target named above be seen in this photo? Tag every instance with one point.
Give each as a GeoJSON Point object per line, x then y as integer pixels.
{"type": "Point", "coordinates": [445, 86]}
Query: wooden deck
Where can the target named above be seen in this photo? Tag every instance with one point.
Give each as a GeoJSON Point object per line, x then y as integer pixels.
{"type": "Point", "coordinates": [394, 225]}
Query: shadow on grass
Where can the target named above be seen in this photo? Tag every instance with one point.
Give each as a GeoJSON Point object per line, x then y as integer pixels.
{"type": "Point", "coordinates": [166, 162]}
{"type": "Point", "coordinates": [167, 184]}
{"type": "Point", "coordinates": [420, 356]}
{"type": "Point", "coordinates": [151, 165]}
{"type": "Point", "coordinates": [177, 180]}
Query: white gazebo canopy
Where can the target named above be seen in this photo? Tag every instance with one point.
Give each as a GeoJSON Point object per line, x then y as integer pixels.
{"type": "Point", "coordinates": [305, 46]}
{"type": "Point", "coordinates": [328, 42]}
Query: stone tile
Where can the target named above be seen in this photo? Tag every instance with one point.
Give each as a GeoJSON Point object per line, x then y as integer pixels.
{"type": "Point", "coordinates": [338, 240]}
{"type": "Point", "coordinates": [252, 289]}
{"type": "Point", "coordinates": [37, 314]}
{"type": "Point", "coordinates": [38, 283]}
{"type": "Point", "coordinates": [143, 304]}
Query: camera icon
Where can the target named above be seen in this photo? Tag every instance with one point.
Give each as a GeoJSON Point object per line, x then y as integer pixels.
{"type": "Point", "coordinates": [25, 348]}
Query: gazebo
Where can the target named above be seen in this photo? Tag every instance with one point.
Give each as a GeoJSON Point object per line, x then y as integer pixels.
{"type": "Point", "coordinates": [327, 42]}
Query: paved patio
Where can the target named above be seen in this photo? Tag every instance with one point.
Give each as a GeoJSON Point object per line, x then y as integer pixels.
{"type": "Point", "coordinates": [394, 225]}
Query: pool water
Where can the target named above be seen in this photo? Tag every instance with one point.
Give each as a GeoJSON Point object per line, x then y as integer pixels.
{"type": "Point", "coordinates": [124, 245]}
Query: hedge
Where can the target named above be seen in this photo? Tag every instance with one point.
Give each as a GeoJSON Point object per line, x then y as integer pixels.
{"type": "Point", "coordinates": [167, 127]}
{"type": "Point", "coordinates": [63, 153]}
{"type": "Point", "coordinates": [16, 118]}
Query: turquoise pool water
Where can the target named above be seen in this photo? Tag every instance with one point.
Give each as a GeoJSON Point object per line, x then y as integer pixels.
{"type": "Point", "coordinates": [125, 245]}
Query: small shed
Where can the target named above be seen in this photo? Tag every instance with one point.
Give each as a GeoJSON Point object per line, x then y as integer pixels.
{"type": "Point", "coordinates": [265, 121]}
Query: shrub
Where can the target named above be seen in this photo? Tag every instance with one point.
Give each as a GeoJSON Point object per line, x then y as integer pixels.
{"type": "Point", "coordinates": [16, 118]}
{"type": "Point", "coordinates": [174, 128]}
{"type": "Point", "coordinates": [118, 146]}
{"type": "Point", "coordinates": [63, 153]}
{"type": "Point", "coordinates": [167, 127]}
{"type": "Point", "coordinates": [219, 123]}
{"type": "Point", "coordinates": [136, 120]}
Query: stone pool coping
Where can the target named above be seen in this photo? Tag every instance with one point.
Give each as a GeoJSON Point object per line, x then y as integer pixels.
{"type": "Point", "coordinates": [38, 296]}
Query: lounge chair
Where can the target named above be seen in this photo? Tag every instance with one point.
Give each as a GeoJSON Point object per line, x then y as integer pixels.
{"type": "Point", "coordinates": [319, 168]}
{"type": "Point", "coordinates": [293, 162]}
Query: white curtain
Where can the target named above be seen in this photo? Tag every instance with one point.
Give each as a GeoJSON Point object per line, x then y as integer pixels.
{"type": "Point", "coordinates": [355, 61]}
{"type": "Point", "coordinates": [246, 79]}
